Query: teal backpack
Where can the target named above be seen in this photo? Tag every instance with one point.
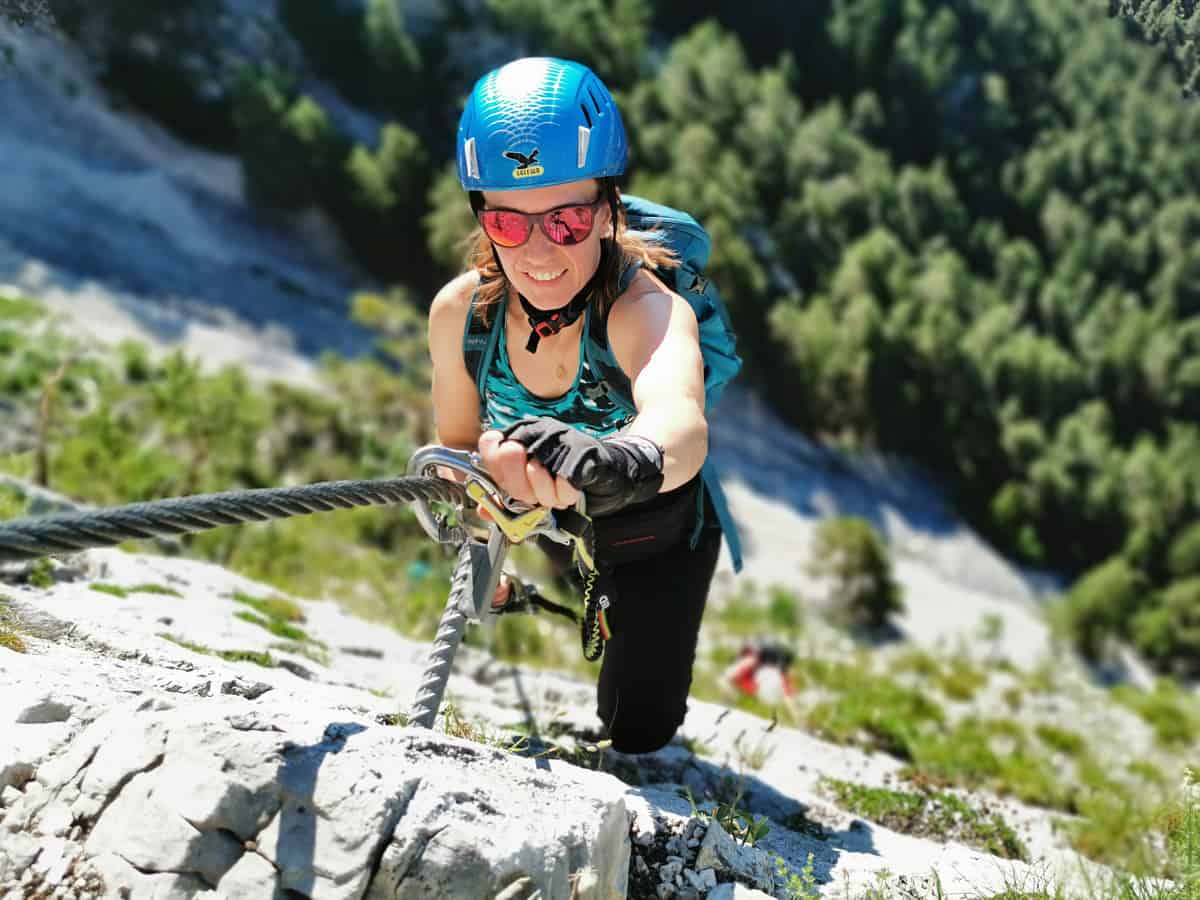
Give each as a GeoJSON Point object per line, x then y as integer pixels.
{"type": "Point", "coordinates": [690, 242]}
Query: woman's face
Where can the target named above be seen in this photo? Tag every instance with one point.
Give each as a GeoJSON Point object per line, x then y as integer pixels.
{"type": "Point", "coordinates": [547, 274]}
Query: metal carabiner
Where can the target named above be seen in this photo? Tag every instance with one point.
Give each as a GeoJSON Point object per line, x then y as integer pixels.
{"type": "Point", "coordinates": [516, 520]}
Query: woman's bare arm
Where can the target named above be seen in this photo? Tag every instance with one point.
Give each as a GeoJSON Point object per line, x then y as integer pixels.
{"type": "Point", "coordinates": [455, 398]}
{"type": "Point", "coordinates": [656, 341]}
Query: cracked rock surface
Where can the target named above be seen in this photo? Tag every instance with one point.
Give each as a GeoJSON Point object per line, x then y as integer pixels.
{"type": "Point", "coordinates": [177, 801]}
{"type": "Point", "coordinates": [136, 766]}
{"type": "Point", "coordinates": [133, 767]}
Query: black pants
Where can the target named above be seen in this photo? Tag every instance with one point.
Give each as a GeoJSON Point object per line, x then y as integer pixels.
{"type": "Point", "coordinates": [641, 697]}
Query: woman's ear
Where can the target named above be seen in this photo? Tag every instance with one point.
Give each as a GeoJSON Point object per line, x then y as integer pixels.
{"type": "Point", "coordinates": [610, 213]}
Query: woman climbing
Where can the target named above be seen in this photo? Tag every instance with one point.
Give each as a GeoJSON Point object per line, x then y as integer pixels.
{"type": "Point", "coordinates": [554, 270]}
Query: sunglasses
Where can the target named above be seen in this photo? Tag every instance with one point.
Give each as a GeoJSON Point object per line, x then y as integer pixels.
{"type": "Point", "coordinates": [564, 225]}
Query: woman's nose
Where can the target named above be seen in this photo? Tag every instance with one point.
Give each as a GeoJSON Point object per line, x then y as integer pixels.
{"type": "Point", "coordinates": [539, 246]}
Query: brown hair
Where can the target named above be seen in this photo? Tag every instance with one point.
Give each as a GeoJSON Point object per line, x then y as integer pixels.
{"type": "Point", "coordinates": [625, 248]}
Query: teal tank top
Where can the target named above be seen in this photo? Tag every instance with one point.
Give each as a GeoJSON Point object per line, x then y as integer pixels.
{"type": "Point", "coordinates": [585, 405]}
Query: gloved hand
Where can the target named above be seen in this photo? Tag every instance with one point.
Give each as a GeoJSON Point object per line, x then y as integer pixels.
{"type": "Point", "coordinates": [613, 472]}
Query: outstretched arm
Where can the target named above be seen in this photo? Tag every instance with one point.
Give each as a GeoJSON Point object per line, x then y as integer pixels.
{"type": "Point", "coordinates": [656, 341]}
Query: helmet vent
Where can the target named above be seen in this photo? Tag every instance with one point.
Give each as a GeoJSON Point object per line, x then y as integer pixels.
{"type": "Point", "coordinates": [586, 115]}
{"type": "Point", "coordinates": [471, 159]}
{"type": "Point", "coordinates": [595, 102]}
{"type": "Point", "coordinates": [585, 137]}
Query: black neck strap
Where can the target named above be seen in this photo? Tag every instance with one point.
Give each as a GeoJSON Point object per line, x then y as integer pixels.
{"type": "Point", "coordinates": [549, 322]}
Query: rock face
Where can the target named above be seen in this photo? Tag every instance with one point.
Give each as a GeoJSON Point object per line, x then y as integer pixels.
{"type": "Point", "coordinates": [157, 742]}
{"type": "Point", "coordinates": [134, 767]}
{"type": "Point", "coordinates": [250, 799]}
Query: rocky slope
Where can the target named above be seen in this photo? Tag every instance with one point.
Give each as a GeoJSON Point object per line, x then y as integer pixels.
{"type": "Point", "coordinates": [159, 740]}
{"type": "Point", "coordinates": [135, 764]}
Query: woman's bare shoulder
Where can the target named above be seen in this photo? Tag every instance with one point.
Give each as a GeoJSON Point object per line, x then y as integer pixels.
{"type": "Point", "coordinates": [456, 293]}
{"type": "Point", "coordinates": [645, 297]}
{"type": "Point", "coordinates": [449, 308]}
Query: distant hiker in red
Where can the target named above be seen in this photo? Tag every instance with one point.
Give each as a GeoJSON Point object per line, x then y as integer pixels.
{"type": "Point", "coordinates": [761, 671]}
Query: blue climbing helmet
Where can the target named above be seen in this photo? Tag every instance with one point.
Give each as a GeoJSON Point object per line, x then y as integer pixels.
{"type": "Point", "coordinates": [539, 121]}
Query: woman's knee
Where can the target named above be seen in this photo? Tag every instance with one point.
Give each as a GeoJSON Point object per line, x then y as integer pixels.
{"type": "Point", "coordinates": [643, 727]}
{"type": "Point", "coordinates": [642, 738]}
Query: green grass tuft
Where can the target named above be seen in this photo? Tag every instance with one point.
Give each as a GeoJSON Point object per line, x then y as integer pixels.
{"type": "Point", "coordinates": [276, 627]}
{"type": "Point", "coordinates": [20, 309]}
{"type": "Point", "coordinates": [118, 591]}
{"type": "Point", "coordinates": [41, 573]}
{"type": "Point", "coordinates": [317, 653]}
{"type": "Point", "coordinates": [274, 607]}
{"type": "Point", "coordinates": [931, 814]}
{"type": "Point", "coordinates": [101, 587]}
{"type": "Point", "coordinates": [151, 588]}
{"type": "Point", "coordinates": [10, 639]}
{"type": "Point", "coordinates": [258, 657]}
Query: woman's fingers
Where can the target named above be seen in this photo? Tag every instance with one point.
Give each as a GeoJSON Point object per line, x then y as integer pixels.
{"type": "Point", "coordinates": [552, 491]}
{"type": "Point", "coordinates": [505, 462]}
{"type": "Point", "coordinates": [542, 483]}
{"type": "Point", "coordinates": [568, 494]}
{"type": "Point", "coordinates": [522, 477]}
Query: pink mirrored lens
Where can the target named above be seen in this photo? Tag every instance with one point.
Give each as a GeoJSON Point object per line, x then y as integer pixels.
{"type": "Point", "coordinates": [568, 225]}
{"type": "Point", "coordinates": [508, 229]}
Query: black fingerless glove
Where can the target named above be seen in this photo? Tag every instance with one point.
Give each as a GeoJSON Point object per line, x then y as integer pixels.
{"type": "Point", "coordinates": [613, 472]}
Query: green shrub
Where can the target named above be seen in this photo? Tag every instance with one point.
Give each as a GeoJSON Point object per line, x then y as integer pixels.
{"type": "Point", "coordinates": [849, 552]}
{"type": "Point", "coordinates": [784, 611]}
{"type": "Point", "coordinates": [20, 309]}
{"type": "Point", "coordinates": [1061, 739]}
{"type": "Point", "coordinates": [874, 712]}
{"type": "Point", "coordinates": [1168, 631]}
{"type": "Point", "coordinates": [13, 502]}
{"type": "Point", "coordinates": [743, 613]}
{"type": "Point", "coordinates": [1170, 711]}
{"type": "Point", "coordinates": [286, 143]}
{"type": "Point", "coordinates": [1117, 830]}
{"type": "Point", "coordinates": [395, 60]}
{"type": "Point", "coordinates": [1101, 604]}
{"type": "Point", "coordinates": [961, 679]}
{"type": "Point", "coordinates": [1183, 555]}
{"type": "Point", "coordinates": [917, 661]}
{"type": "Point", "coordinates": [333, 40]}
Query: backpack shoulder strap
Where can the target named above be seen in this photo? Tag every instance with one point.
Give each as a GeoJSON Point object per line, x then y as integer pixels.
{"type": "Point", "coordinates": [599, 355]}
{"type": "Point", "coordinates": [479, 344]}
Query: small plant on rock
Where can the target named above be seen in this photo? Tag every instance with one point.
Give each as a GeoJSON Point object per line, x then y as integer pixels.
{"type": "Point", "coordinates": [797, 886]}
{"type": "Point", "coordinates": [740, 824]}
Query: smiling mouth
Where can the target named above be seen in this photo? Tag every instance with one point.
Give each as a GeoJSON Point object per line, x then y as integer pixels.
{"type": "Point", "coordinates": [545, 277]}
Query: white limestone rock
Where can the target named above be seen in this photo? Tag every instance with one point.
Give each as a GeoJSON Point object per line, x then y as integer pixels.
{"type": "Point", "coordinates": [731, 890]}
{"type": "Point", "coordinates": [719, 851]}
